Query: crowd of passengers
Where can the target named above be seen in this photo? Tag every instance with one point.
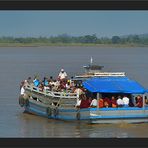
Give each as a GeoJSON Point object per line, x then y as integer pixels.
{"type": "Point", "coordinates": [62, 84]}
{"type": "Point", "coordinates": [106, 102]}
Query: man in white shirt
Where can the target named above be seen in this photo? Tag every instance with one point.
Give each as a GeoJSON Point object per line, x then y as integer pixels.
{"type": "Point", "coordinates": [125, 101]}
{"type": "Point", "coordinates": [62, 75]}
{"type": "Point", "coordinates": [119, 102]}
{"type": "Point", "coordinates": [93, 103]}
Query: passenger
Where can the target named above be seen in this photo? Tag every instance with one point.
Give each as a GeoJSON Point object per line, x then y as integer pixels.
{"type": "Point", "coordinates": [94, 103]}
{"type": "Point", "coordinates": [21, 85]}
{"type": "Point", "coordinates": [63, 84]}
{"type": "Point", "coordinates": [120, 102]}
{"type": "Point", "coordinates": [62, 75]}
{"type": "Point", "coordinates": [107, 102]}
{"type": "Point", "coordinates": [113, 102]}
{"type": "Point", "coordinates": [146, 100]}
{"type": "Point", "coordinates": [50, 79]}
{"type": "Point", "coordinates": [68, 85]}
{"type": "Point", "coordinates": [139, 101]}
{"type": "Point", "coordinates": [125, 101]}
{"type": "Point", "coordinates": [85, 103]}
{"type": "Point", "coordinates": [55, 85]}
{"type": "Point", "coordinates": [36, 82]}
{"type": "Point", "coordinates": [47, 88]}
{"type": "Point", "coordinates": [101, 103]}
{"type": "Point", "coordinates": [41, 86]}
{"type": "Point", "coordinates": [22, 90]}
{"type": "Point", "coordinates": [45, 81]}
{"type": "Point", "coordinates": [78, 91]}
{"type": "Point", "coordinates": [29, 80]}
{"type": "Point", "coordinates": [78, 103]}
{"type": "Point", "coordinates": [71, 80]}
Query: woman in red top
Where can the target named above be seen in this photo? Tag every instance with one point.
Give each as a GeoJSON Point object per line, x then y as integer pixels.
{"type": "Point", "coordinates": [113, 102]}
{"type": "Point", "coordinates": [107, 102]}
{"type": "Point", "coordinates": [101, 103]}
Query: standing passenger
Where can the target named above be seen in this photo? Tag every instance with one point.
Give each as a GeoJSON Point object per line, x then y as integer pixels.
{"type": "Point", "coordinates": [62, 75]}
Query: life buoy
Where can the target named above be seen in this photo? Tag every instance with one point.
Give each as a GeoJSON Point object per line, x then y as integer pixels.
{"type": "Point", "coordinates": [55, 112]}
{"type": "Point", "coordinates": [21, 101]}
{"type": "Point", "coordinates": [26, 102]}
{"type": "Point", "coordinates": [48, 111]}
{"type": "Point", "coordinates": [78, 115]}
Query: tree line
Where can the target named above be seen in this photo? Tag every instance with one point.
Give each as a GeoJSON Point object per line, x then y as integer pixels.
{"type": "Point", "coordinates": [64, 38]}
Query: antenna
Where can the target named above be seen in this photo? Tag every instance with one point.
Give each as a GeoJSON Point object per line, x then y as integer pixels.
{"type": "Point", "coordinates": [91, 60]}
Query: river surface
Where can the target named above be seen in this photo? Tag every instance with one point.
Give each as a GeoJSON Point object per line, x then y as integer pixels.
{"type": "Point", "coordinates": [16, 64]}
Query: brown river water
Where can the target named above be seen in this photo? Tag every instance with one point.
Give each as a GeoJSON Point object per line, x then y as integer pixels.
{"type": "Point", "coordinates": [18, 63]}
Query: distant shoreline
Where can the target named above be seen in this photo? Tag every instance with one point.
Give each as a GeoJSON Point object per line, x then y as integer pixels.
{"type": "Point", "coordinates": [69, 45]}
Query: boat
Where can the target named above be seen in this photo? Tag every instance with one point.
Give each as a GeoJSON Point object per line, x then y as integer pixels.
{"type": "Point", "coordinates": [62, 105]}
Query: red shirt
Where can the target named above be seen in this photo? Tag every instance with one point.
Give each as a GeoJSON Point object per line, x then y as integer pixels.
{"type": "Point", "coordinates": [140, 103]}
{"type": "Point", "coordinates": [108, 101]}
{"type": "Point", "coordinates": [85, 103]}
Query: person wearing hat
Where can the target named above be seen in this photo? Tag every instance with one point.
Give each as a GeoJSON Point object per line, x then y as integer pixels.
{"type": "Point", "coordinates": [62, 75]}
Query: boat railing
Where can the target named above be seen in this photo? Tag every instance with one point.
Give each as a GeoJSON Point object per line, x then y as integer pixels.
{"type": "Point", "coordinates": [102, 74]}
{"type": "Point", "coordinates": [117, 74]}
{"type": "Point", "coordinates": [51, 93]}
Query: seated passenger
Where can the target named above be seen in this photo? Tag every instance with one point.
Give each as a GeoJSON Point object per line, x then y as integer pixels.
{"type": "Point", "coordinates": [101, 103]}
{"type": "Point", "coordinates": [94, 103]}
{"type": "Point", "coordinates": [119, 102]}
{"type": "Point", "coordinates": [125, 101]}
{"type": "Point", "coordinates": [113, 102]}
{"type": "Point", "coordinates": [139, 101]}
{"type": "Point", "coordinates": [146, 100]}
{"type": "Point", "coordinates": [107, 102]}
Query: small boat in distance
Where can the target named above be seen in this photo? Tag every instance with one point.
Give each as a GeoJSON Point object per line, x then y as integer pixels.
{"type": "Point", "coordinates": [101, 90]}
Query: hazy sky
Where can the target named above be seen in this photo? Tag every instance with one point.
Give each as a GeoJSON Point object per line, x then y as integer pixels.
{"type": "Point", "coordinates": [47, 23]}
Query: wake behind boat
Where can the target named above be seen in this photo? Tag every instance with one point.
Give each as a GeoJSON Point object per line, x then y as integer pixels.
{"type": "Point", "coordinates": [95, 96]}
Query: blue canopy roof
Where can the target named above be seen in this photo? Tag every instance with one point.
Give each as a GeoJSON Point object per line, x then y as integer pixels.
{"type": "Point", "coordinates": [113, 85]}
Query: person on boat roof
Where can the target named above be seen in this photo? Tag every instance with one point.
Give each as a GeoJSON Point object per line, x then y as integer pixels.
{"type": "Point", "coordinates": [62, 75]}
